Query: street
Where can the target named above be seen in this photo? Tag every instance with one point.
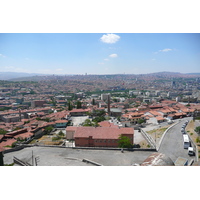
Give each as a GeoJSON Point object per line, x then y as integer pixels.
{"type": "Point", "coordinates": [172, 144]}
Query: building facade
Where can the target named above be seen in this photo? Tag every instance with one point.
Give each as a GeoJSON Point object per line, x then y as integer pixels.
{"type": "Point", "coordinates": [101, 136]}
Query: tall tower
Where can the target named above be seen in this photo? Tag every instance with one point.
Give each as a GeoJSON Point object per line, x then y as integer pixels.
{"type": "Point", "coordinates": [20, 115]}
{"type": "Point", "coordinates": [109, 104]}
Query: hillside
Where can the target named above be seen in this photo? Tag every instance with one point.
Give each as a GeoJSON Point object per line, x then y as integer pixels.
{"type": "Point", "coordinates": [15, 75]}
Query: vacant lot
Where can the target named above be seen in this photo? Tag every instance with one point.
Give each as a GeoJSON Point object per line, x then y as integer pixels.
{"type": "Point", "coordinates": [54, 138]}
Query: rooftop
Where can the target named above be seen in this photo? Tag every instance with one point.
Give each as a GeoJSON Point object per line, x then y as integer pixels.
{"type": "Point", "coordinates": [102, 132]}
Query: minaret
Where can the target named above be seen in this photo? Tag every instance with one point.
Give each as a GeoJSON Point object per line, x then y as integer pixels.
{"type": "Point", "coordinates": [20, 115]}
{"type": "Point", "coordinates": [109, 104]}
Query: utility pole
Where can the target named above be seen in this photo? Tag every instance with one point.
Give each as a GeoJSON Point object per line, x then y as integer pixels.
{"type": "Point", "coordinates": [32, 159]}
{"type": "Point", "coordinates": [37, 159]}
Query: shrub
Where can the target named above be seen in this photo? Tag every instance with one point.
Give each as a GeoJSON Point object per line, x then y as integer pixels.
{"type": "Point", "coordinates": [56, 138]}
{"type": "Point", "coordinates": [124, 142]}
{"type": "Point", "coordinates": [197, 140]}
{"type": "Point", "coordinates": [61, 133]}
{"type": "Point", "coordinates": [2, 131]}
{"type": "Point", "coordinates": [14, 144]}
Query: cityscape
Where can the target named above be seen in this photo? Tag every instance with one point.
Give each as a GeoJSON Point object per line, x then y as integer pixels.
{"type": "Point", "coordinates": [99, 99]}
{"type": "Point", "coordinates": [87, 119]}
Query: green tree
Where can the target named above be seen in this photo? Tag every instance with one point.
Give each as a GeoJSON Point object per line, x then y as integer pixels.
{"type": "Point", "coordinates": [3, 132]}
{"type": "Point", "coordinates": [197, 129]}
{"type": "Point", "coordinates": [14, 144]}
{"type": "Point", "coordinates": [87, 122]}
{"type": "Point", "coordinates": [70, 107]}
{"type": "Point", "coordinates": [47, 119]}
{"type": "Point", "coordinates": [48, 129]}
{"type": "Point", "coordinates": [99, 119]}
{"type": "Point", "coordinates": [61, 134]}
{"type": "Point", "coordinates": [93, 102]}
{"type": "Point", "coordinates": [78, 104]}
{"type": "Point", "coordinates": [124, 142]}
{"type": "Point", "coordinates": [140, 121]}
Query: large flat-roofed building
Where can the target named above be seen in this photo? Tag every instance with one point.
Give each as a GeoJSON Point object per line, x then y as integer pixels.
{"type": "Point", "coordinates": [37, 103]}
{"type": "Point", "coordinates": [100, 136]}
{"type": "Point", "coordinates": [79, 112]}
{"type": "Point", "coordinates": [11, 118]}
{"type": "Point", "coordinates": [105, 97]}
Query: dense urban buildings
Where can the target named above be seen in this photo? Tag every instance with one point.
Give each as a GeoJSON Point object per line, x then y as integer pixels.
{"type": "Point", "coordinates": [93, 110]}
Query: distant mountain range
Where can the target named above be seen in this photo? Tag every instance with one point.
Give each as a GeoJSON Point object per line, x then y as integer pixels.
{"type": "Point", "coordinates": [14, 75]}
{"type": "Point", "coordinates": [19, 76]}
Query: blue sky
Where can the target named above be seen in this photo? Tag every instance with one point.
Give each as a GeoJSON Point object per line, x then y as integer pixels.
{"type": "Point", "coordinates": [99, 53]}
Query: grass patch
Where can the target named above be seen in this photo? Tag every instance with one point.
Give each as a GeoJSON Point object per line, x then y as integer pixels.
{"type": "Point", "coordinates": [9, 164]}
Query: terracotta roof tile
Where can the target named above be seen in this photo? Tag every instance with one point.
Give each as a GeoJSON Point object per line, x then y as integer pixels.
{"type": "Point", "coordinates": [102, 132]}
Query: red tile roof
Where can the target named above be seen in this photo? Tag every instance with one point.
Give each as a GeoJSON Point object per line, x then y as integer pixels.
{"type": "Point", "coordinates": [24, 135]}
{"type": "Point", "coordinates": [102, 132]}
{"type": "Point", "coordinates": [61, 121]}
{"type": "Point", "coordinates": [159, 118]}
{"type": "Point", "coordinates": [79, 110]}
{"type": "Point", "coordinates": [107, 124]}
{"type": "Point", "coordinates": [8, 142]}
{"type": "Point", "coordinates": [71, 128]}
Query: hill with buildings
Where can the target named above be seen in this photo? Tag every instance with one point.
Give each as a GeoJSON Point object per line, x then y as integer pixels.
{"type": "Point", "coordinates": [12, 76]}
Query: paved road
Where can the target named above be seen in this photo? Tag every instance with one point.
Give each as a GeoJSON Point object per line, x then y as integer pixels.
{"type": "Point", "coordinates": [172, 144]}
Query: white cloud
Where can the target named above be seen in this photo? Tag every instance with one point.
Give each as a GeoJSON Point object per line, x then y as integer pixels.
{"type": "Point", "coordinates": [2, 55]}
{"type": "Point", "coordinates": [165, 50]}
{"type": "Point", "coordinates": [110, 38]}
{"type": "Point", "coordinates": [114, 55]}
{"type": "Point", "coordinates": [13, 69]}
{"type": "Point", "coordinates": [106, 59]}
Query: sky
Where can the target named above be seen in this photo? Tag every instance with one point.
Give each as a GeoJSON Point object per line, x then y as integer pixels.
{"type": "Point", "coordinates": [99, 53]}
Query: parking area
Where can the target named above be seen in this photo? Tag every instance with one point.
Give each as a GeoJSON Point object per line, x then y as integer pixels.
{"type": "Point", "coordinates": [76, 121]}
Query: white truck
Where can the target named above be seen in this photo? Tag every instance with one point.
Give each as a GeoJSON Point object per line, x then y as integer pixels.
{"type": "Point", "coordinates": [186, 141]}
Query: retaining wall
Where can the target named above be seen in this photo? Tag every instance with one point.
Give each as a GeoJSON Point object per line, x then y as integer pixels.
{"type": "Point", "coordinates": [149, 139]}
{"type": "Point", "coordinates": [90, 148]}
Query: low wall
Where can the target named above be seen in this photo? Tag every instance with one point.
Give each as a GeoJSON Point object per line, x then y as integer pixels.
{"type": "Point", "coordinates": [149, 139]}
{"type": "Point", "coordinates": [13, 149]}
{"type": "Point", "coordinates": [89, 148]}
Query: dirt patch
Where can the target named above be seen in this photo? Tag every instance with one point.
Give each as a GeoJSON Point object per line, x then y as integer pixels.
{"type": "Point", "coordinates": [47, 140]}
{"type": "Point", "coordinates": [144, 144]}
{"type": "Point", "coordinates": [156, 134]}
{"type": "Point", "coordinates": [190, 130]}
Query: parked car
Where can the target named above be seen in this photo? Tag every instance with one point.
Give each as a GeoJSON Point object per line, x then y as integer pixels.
{"type": "Point", "coordinates": [191, 151]}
